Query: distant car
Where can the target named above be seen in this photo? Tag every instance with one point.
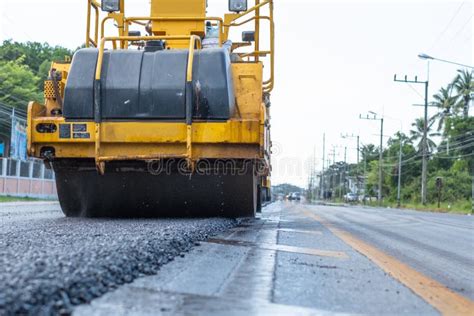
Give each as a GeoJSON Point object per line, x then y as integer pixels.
{"type": "Point", "coordinates": [351, 198]}
{"type": "Point", "coordinates": [295, 196]}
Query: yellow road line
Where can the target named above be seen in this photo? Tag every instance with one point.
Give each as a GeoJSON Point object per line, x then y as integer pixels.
{"type": "Point", "coordinates": [434, 293]}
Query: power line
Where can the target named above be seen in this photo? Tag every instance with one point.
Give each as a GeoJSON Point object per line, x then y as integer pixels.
{"type": "Point", "coordinates": [471, 144]}
{"type": "Point", "coordinates": [462, 28]}
{"type": "Point", "coordinates": [457, 157]}
{"type": "Point", "coordinates": [416, 91]}
{"type": "Point", "coordinates": [447, 26]}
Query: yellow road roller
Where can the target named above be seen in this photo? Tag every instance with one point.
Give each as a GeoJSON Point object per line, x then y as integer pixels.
{"type": "Point", "coordinates": [163, 114]}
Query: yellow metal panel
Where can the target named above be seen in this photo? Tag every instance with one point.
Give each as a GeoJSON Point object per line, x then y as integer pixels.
{"type": "Point", "coordinates": [178, 8]}
{"type": "Point", "coordinates": [248, 89]}
{"type": "Point", "coordinates": [174, 8]}
{"type": "Point", "coordinates": [123, 151]}
{"type": "Point", "coordinates": [231, 132]}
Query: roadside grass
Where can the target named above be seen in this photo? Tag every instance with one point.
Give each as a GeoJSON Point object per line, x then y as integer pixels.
{"type": "Point", "coordinates": [6, 199]}
{"type": "Point", "coordinates": [458, 207]}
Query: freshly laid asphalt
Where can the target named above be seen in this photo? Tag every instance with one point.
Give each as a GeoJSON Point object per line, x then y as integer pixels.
{"type": "Point", "coordinates": [50, 263]}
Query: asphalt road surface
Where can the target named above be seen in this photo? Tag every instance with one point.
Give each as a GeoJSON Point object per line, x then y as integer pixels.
{"type": "Point", "coordinates": [49, 263]}
{"type": "Point", "coordinates": [295, 259]}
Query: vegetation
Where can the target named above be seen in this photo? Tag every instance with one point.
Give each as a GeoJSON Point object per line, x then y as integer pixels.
{"type": "Point", "coordinates": [36, 56]}
{"type": "Point", "coordinates": [6, 199]}
{"type": "Point", "coordinates": [23, 69]}
{"type": "Point", "coordinates": [450, 153]}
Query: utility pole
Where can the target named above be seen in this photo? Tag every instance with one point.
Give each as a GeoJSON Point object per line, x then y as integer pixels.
{"type": "Point", "coordinates": [358, 154]}
{"type": "Point", "coordinates": [424, 169]}
{"type": "Point", "coordinates": [322, 173]}
{"type": "Point", "coordinates": [358, 149]}
{"type": "Point", "coordinates": [365, 174]}
{"type": "Point", "coordinates": [313, 175]}
{"type": "Point", "coordinates": [399, 173]}
{"type": "Point", "coordinates": [330, 176]}
{"type": "Point", "coordinates": [342, 177]}
{"type": "Point", "coordinates": [375, 118]}
{"type": "Point", "coordinates": [333, 155]}
{"type": "Point", "coordinates": [333, 176]}
{"type": "Point", "coordinates": [13, 123]}
{"type": "Point", "coordinates": [345, 168]}
{"type": "Point", "coordinates": [380, 163]}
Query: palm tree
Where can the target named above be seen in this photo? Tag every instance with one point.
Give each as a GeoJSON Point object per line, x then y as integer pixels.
{"type": "Point", "coordinates": [417, 135]}
{"type": "Point", "coordinates": [464, 86]}
{"type": "Point", "coordinates": [445, 101]}
{"type": "Point", "coordinates": [369, 152]}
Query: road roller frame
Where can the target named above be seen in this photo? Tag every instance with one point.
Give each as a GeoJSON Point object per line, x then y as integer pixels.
{"type": "Point", "coordinates": [244, 137]}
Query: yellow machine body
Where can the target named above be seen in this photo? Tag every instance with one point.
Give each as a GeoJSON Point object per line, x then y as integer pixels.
{"type": "Point", "coordinates": [182, 24]}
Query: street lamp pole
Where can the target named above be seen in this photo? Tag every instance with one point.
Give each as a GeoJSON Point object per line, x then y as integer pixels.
{"type": "Point", "coordinates": [399, 173]}
{"type": "Point", "coordinates": [380, 162]}
{"type": "Point", "coordinates": [322, 173]}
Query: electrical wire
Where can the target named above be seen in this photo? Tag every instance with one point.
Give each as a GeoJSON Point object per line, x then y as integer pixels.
{"type": "Point", "coordinates": [462, 28]}
{"type": "Point", "coordinates": [447, 26]}
{"type": "Point", "coordinates": [416, 91]}
{"type": "Point", "coordinates": [456, 157]}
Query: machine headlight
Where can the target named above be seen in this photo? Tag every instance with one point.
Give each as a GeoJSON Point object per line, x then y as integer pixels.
{"type": "Point", "coordinates": [237, 5]}
{"type": "Point", "coordinates": [110, 5]}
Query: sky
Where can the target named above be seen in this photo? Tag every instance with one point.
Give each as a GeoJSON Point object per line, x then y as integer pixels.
{"type": "Point", "coordinates": [335, 60]}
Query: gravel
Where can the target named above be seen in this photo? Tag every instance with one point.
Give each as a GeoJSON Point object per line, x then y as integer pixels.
{"type": "Point", "coordinates": [50, 264]}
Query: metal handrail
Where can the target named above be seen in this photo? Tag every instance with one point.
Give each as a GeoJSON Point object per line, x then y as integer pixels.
{"type": "Point", "coordinates": [96, 5]}
{"type": "Point", "coordinates": [164, 19]}
{"type": "Point", "coordinates": [193, 38]}
{"type": "Point", "coordinates": [268, 84]}
{"type": "Point", "coordinates": [223, 30]}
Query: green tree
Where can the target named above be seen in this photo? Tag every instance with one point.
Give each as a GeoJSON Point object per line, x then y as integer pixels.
{"type": "Point", "coordinates": [411, 163]}
{"type": "Point", "coordinates": [460, 132]}
{"type": "Point", "coordinates": [464, 86]}
{"type": "Point", "coordinates": [369, 153]}
{"type": "Point", "coordinates": [445, 101]}
{"type": "Point", "coordinates": [37, 56]}
{"type": "Point", "coordinates": [456, 183]}
{"type": "Point", "coordinates": [417, 134]}
{"type": "Point", "coordinates": [18, 84]}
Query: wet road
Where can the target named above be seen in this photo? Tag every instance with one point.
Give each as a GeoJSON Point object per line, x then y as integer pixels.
{"type": "Point", "coordinates": [438, 245]}
{"type": "Point", "coordinates": [294, 259]}
{"type": "Point", "coordinates": [314, 260]}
